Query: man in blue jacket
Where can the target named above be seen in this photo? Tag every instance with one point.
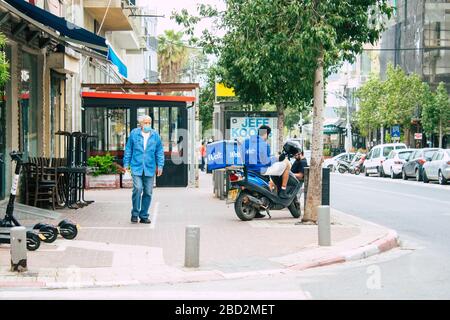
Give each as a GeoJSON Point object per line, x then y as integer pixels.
{"type": "Point", "coordinates": [144, 154]}
{"type": "Point", "coordinates": [258, 158]}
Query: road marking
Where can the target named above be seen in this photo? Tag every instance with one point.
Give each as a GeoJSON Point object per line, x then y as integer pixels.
{"type": "Point", "coordinates": [155, 215]}
{"type": "Point", "coordinates": [397, 181]}
{"type": "Point", "coordinates": [114, 228]}
{"type": "Point", "coordinates": [398, 193]}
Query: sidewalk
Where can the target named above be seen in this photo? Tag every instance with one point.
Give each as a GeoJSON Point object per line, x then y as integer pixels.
{"type": "Point", "coordinates": [110, 251]}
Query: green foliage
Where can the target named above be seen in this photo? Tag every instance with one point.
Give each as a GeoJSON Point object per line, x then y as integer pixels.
{"type": "Point", "coordinates": [327, 152]}
{"type": "Point", "coordinates": [172, 55]}
{"type": "Point", "coordinates": [436, 110]}
{"type": "Point", "coordinates": [206, 100]}
{"type": "Point", "coordinates": [270, 48]}
{"type": "Point", "coordinates": [103, 165]}
{"type": "Point", "coordinates": [4, 63]}
{"type": "Point", "coordinates": [390, 102]}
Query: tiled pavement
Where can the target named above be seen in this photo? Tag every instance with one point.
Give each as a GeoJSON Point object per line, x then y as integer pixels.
{"type": "Point", "coordinates": [111, 250]}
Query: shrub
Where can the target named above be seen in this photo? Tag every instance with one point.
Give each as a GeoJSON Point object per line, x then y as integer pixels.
{"type": "Point", "coordinates": [103, 165]}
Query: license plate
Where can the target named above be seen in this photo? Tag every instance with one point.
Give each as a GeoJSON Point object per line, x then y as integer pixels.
{"type": "Point", "coordinates": [233, 194]}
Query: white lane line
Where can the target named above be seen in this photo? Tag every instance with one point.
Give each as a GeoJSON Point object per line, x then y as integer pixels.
{"type": "Point", "coordinates": [114, 228]}
{"type": "Point", "coordinates": [409, 182]}
{"type": "Point", "coordinates": [154, 215]}
{"type": "Point", "coordinates": [398, 193]}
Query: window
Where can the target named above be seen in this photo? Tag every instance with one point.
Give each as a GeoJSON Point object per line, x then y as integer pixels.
{"type": "Point", "coordinates": [430, 153]}
{"type": "Point", "coordinates": [376, 153]}
{"type": "Point", "coordinates": [404, 155]}
{"type": "Point", "coordinates": [391, 155]}
{"type": "Point", "coordinates": [387, 150]}
{"type": "Point", "coordinates": [448, 152]}
{"type": "Point", "coordinates": [400, 147]}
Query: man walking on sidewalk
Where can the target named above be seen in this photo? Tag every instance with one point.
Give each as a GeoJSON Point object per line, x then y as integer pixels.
{"type": "Point", "coordinates": [144, 154]}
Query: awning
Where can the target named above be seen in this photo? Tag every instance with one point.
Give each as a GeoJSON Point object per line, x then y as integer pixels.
{"type": "Point", "coordinates": [67, 30]}
{"type": "Point", "coordinates": [114, 58]}
{"type": "Point", "coordinates": [128, 100]}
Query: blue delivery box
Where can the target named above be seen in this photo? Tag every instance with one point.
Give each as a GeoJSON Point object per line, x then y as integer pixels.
{"type": "Point", "coordinates": [223, 153]}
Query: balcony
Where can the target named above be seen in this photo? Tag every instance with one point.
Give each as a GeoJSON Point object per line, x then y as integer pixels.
{"type": "Point", "coordinates": [116, 17]}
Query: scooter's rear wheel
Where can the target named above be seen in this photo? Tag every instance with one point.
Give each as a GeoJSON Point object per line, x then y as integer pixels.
{"type": "Point", "coordinates": [243, 208]}
{"type": "Point", "coordinates": [294, 209]}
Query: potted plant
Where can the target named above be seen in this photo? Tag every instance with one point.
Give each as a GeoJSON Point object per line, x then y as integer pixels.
{"type": "Point", "coordinates": [103, 172]}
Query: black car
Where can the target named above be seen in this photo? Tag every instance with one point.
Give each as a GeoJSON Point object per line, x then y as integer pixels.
{"type": "Point", "coordinates": [413, 167]}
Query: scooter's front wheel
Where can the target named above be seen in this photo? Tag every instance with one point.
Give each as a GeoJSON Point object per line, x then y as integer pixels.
{"type": "Point", "coordinates": [33, 241]}
{"type": "Point", "coordinates": [243, 207]}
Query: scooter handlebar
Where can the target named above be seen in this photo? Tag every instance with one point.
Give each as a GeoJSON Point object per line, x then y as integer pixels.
{"type": "Point", "coordinates": [16, 155]}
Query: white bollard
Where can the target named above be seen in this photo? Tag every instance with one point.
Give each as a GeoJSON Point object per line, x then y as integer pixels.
{"type": "Point", "coordinates": [324, 225]}
{"type": "Point", "coordinates": [19, 249]}
{"type": "Point", "coordinates": [192, 247]}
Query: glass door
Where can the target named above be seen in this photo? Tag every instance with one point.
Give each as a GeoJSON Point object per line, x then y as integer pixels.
{"type": "Point", "coordinates": [29, 106]}
{"type": "Point", "coordinates": [3, 157]}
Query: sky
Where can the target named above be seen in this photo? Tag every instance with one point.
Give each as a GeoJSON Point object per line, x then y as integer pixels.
{"type": "Point", "coordinates": [165, 7]}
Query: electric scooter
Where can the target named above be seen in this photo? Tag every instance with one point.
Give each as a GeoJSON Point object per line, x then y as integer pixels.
{"type": "Point", "coordinates": [251, 192]}
{"type": "Point", "coordinates": [41, 231]}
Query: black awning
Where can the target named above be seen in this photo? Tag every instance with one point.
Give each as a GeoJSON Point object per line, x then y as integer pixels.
{"type": "Point", "coordinates": [72, 32]}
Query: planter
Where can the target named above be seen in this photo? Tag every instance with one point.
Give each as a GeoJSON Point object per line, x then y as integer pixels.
{"type": "Point", "coordinates": [107, 181]}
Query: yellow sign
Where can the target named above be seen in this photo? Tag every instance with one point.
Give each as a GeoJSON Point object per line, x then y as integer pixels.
{"type": "Point", "coordinates": [223, 91]}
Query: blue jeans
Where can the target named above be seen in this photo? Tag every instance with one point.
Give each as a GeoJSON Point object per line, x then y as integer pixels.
{"type": "Point", "coordinates": [142, 196]}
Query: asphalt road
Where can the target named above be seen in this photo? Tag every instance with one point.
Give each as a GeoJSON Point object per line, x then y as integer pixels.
{"type": "Point", "coordinates": [419, 269]}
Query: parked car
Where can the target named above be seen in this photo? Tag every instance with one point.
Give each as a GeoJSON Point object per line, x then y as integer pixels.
{"type": "Point", "coordinates": [331, 163]}
{"type": "Point", "coordinates": [413, 167]}
{"type": "Point", "coordinates": [394, 162]}
{"type": "Point", "coordinates": [438, 168]}
{"type": "Point", "coordinates": [376, 157]}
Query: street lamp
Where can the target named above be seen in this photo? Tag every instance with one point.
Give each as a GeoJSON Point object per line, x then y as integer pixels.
{"type": "Point", "coordinates": [348, 137]}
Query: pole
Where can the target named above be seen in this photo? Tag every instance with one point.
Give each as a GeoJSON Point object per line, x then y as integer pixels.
{"type": "Point", "coordinates": [324, 225]}
{"type": "Point", "coordinates": [18, 249]}
{"type": "Point", "coordinates": [192, 247]}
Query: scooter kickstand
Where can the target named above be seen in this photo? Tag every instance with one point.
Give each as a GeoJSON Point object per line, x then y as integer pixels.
{"type": "Point", "coordinates": [268, 213]}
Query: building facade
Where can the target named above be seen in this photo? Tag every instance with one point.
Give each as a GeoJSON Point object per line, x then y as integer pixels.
{"type": "Point", "coordinates": [54, 46]}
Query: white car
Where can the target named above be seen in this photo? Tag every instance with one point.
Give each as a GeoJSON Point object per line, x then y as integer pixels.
{"type": "Point", "coordinates": [331, 163]}
{"type": "Point", "coordinates": [438, 168]}
{"type": "Point", "coordinates": [394, 162]}
{"type": "Point", "coordinates": [376, 157]}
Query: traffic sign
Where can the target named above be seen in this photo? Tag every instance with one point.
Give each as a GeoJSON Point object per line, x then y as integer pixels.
{"type": "Point", "coordinates": [395, 132]}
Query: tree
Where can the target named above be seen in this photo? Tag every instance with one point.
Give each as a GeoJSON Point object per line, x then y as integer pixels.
{"type": "Point", "coordinates": [370, 96]}
{"type": "Point", "coordinates": [172, 55]}
{"type": "Point", "coordinates": [280, 52]}
{"type": "Point", "coordinates": [206, 101]}
{"type": "Point", "coordinates": [436, 112]}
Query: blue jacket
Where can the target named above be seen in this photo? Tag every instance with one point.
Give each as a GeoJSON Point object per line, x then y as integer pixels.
{"type": "Point", "coordinates": [257, 154]}
{"type": "Point", "coordinates": [143, 163]}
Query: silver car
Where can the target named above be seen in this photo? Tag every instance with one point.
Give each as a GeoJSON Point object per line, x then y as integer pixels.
{"type": "Point", "coordinates": [438, 168]}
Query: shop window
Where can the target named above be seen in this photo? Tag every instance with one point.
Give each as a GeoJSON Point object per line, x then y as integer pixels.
{"type": "Point", "coordinates": [29, 106]}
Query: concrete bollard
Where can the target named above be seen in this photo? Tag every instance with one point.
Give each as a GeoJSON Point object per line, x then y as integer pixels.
{"type": "Point", "coordinates": [19, 249]}
{"type": "Point", "coordinates": [324, 225]}
{"type": "Point", "coordinates": [192, 247]}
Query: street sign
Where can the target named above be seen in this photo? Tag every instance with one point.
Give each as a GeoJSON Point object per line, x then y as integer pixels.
{"type": "Point", "coordinates": [223, 91]}
{"type": "Point", "coordinates": [242, 128]}
{"type": "Point", "coordinates": [418, 136]}
{"type": "Point", "coordinates": [395, 132]}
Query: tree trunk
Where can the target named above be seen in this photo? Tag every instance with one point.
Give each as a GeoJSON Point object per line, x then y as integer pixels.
{"type": "Point", "coordinates": [440, 133]}
{"type": "Point", "coordinates": [314, 195]}
{"type": "Point", "coordinates": [280, 127]}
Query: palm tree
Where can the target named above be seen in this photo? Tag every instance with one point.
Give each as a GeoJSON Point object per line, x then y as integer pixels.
{"type": "Point", "coordinates": [172, 55]}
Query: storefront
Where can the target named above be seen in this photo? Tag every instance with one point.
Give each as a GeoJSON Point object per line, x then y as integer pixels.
{"type": "Point", "coordinates": [111, 117]}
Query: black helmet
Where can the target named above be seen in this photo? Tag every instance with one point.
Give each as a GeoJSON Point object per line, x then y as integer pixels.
{"type": "Point", "coordinates": [291, 148]}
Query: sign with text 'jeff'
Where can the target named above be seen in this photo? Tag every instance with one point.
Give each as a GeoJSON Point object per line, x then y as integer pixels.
{"type": "Point", "coordinates": [243, 127]}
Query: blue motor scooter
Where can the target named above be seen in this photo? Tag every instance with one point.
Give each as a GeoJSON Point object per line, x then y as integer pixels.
{"type": "Point", "coordinates": [251, 192]}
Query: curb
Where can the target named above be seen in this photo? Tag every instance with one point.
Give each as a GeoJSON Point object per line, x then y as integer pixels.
{"type": "Point", "coordinates": [386, 243]}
